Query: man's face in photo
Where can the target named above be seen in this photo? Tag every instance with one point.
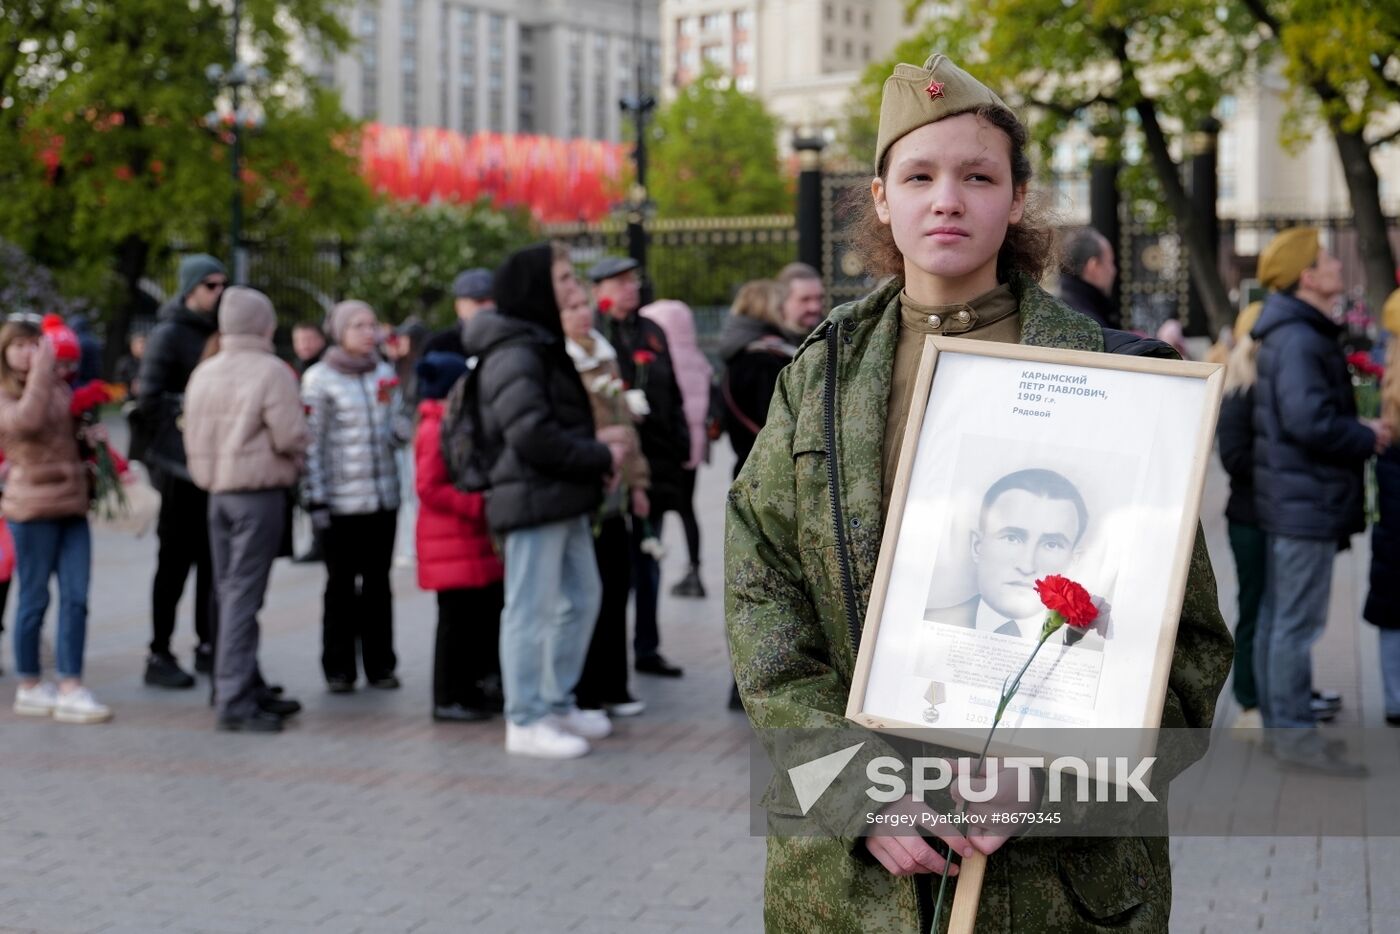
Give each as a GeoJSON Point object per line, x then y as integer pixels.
{"type": "Point", "coordinates": [1023, 537]}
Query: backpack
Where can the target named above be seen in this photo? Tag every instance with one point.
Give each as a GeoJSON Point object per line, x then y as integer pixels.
{"type": "Point", "coordinates": [468, 466]}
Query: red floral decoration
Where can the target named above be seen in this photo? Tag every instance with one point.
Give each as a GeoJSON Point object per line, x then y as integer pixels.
{"type": "Point", "coordinates": [1361, 362]}
{"type": "Point", "coordinates": [1062, 595]}
{"type": "Point", "coordinates": [605, 305]}
{"type": "Point", "coordinates": [643, 357]}
{"type": "Point", "coordinates": [88, 397]}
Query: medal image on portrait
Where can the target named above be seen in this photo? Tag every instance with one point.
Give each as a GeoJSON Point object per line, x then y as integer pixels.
{"type": "Point", "coordinates": [1021, 465]}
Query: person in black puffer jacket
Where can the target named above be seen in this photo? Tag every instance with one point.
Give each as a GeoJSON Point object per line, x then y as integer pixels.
{"type": "Point", "coordinates": [548, 471]}
{"type": "Point", "coordinates": [1235, 435]}
{"type": "Point", "coordinates": [188, 326]}
{"type": "Point", "coordinates": [1309, 451]}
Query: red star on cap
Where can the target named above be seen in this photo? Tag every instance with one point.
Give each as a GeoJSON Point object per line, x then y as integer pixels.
{"type": "Point", "coordinates": [935, 90]}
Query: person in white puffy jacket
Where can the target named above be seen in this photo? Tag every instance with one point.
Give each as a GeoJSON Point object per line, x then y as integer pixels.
{"type": "Point", "coordinates": [351, 491]}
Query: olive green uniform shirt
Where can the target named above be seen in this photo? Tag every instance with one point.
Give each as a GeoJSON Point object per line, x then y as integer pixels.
{"type": "Point", "coordinates": [991, 316]}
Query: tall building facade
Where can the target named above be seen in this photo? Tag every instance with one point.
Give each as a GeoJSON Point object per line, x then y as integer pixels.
{"type": "Point", "coordinates": [800, 57]}
{"type": "Point", "coordinates": [549, 67]}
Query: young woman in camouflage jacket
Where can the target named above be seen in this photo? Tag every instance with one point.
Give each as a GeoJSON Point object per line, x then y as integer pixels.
{"type": "Point", "coordinates": [948, 222]}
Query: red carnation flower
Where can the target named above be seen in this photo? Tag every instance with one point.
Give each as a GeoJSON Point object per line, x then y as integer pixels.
{"type": "Point", "coordinates": [88, 397]}
{"type": "Point", "coordinates": [605, 304]}
{"type": "Point", "coordinates": [1063, 596]}
{"type": "Point", "coordinates": [643, 357]}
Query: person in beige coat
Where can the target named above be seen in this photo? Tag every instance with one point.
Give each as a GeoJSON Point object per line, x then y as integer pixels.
{"type": "Point", "coordinates": [45, 503]}
{"type": "Point", "coordinates": [245, 439]}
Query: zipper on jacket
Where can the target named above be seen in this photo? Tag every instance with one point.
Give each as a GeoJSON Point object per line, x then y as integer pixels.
{"type": "Point", "coordinates": [923, 890]}
{"type": "Point", "coordinates": [373, 442]}
{"type": "Point", "coordinates": [843, 556]}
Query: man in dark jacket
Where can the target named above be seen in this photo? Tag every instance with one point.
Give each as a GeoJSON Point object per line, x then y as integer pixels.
{"type": "Point", "coordinates": [1087, 274]}
{"type": "Point", "coordinates": [548, 471]}
{"type": "Point", "coordinates": [1309, 451]}
{"type": "Point", "coordinates": [644, 360]}
{"type": "Point", "coordinates": [472, 292]}
{"type": "Point", "coordinates": [174, 349]}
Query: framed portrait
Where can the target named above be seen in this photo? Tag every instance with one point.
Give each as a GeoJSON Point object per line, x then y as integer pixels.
{"type": "Point", "coordinates": [1018, 463]}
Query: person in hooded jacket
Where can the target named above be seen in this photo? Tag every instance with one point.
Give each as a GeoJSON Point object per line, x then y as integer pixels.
{"type": "Point", "coordinates": [245, 437]}
{"type": "Point", "coordinates": [547, 472]}
{"type": "Point", "coordinates": [186, 334]}
{"type": "Point", "coordinates": [456, 558]}
{"type": "Point", "coordinates": [754, 347]}
{"type": "Point", "coordinates": [351, 492]}
{"type": "Point", "coordinates": [693, 375]}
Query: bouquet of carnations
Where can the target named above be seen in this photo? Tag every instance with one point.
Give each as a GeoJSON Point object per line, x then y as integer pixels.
{"type": "Point", "coordinates": [107, 468]}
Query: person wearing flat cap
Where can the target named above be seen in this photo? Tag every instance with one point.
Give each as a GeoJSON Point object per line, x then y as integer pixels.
{"type": "Point", "coordinates": [948, 223]}
{"type": "Point", "coordinates": [1383, 601]}
{"type": "Point", "coordinates": [187, 332]}
{"type": "Point", "coordinates": [1310, 449]}
{"type": "Point", "coordinates": [644, 360]}
{"type": "Point", "coordinates": [472, 293]}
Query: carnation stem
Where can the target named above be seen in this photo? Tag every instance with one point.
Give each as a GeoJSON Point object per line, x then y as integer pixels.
{"type": "Point", "coordinates": [1006, 695]}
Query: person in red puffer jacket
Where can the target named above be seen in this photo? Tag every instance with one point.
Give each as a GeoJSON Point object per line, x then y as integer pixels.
{"type": "Point", "coordinates": [458, 559]}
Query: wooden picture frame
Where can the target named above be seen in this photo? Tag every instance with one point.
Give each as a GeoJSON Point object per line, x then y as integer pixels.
{"type": "Point", "coordinates": [1136, 433]}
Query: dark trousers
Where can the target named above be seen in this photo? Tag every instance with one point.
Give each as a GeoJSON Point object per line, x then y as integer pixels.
{"type": "Point", "coordinates": [183, 530]}
{"type": "Point", "coordinates": [245, 530]}
{"type": "Point", "coordinates": [1251, 550]}
{"type": "Point", "coordinates": [467, 649]}
{"type": "Point", "coordinates": [604, 677]}
{"type": "Point", "coordinates": [685, 508]}
{"type": "Point", "coordinates": [646, 587]}
{"type": "Point", "coordinates": [359, 606]}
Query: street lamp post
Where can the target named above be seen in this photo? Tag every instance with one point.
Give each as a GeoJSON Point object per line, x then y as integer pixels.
{"type": "Point", "coordinates": [639, 105]}
{"type": "Point", "coordinates": [235, 79]}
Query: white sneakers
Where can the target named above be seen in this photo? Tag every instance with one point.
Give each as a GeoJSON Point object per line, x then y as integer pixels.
{"type": "Point", "coordinates": [558, 736]}
{"type": "Point", "coordinates": [590, 724]}
{"type": "Point", "coordinates": [38, 701]}
{"type": "Point", "coordinates": [632, 708]}
{"type": "Point", "coordinates": [544, 739]}
{"type": "Point", "coordinates": [75, 706]}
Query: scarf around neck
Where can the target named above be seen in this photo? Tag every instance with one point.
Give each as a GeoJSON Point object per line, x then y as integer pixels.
{"type": "Point", "coordinates": [593, 351]}
{"type": "Point", "coordinates": [342, 361]}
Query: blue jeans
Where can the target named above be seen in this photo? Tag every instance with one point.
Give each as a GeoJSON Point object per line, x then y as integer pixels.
{"type": "Point", "coordinates": [1298, 585]}
{"type": "Point", "coordinates": [1390, 670]}
{"type": "Point", "coordinates": [43, 547]}
{"type": "Point", "coordinates": [552, 598]}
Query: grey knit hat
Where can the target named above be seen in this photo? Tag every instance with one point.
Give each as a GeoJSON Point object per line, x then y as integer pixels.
{"type": "Point", "coordinates": [195, 267]}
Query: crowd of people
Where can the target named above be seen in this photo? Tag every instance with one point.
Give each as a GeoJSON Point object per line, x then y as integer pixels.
{"type": "Point", "coordinates": [589, 414]}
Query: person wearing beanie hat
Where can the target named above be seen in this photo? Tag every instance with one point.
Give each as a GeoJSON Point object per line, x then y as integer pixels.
{"type": "Point", "coordinates": [548, 467]}
{"type": "Point", "coordinates": [351, 490]}
{"type": "Point", "coordinates": [1382, 607]}
{"type": "Point", "coordinates": [473, 292]}
{"type": "Point", "coordinates": [245, 436]}
{"type": "Point", "coordinates": [187, 332]}
{"type": "Point", "coordinates": [457, 559]}
{"type": "Point", "coordinates": [949, 234]}
{"type": "Point", "coordinates": [1310, 450]}
{"type": "Point", "coordinates": [67, 352]}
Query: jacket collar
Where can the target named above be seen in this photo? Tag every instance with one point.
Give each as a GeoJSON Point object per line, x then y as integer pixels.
{"type": "Point", "coordinates": [1280, 309]}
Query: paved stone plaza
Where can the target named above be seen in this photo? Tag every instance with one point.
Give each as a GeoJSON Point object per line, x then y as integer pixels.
{"type": "Point", "coordinates": [365, 816]}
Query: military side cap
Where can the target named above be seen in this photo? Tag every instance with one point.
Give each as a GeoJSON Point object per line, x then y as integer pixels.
{"type": "Point", "coordinates": [1287, 255]}
{"type": "Point", "coordinates": [1390, 313]}
{"type": "Point", "coordinates": [475, 284]}
{"type": "Point", "coordinates": [610, 266]}
{"type": "Point", "coordinates": [914, 97]}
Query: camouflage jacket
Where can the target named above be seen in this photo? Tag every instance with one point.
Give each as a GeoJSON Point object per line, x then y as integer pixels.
{"type": "Point", "coordinates": [791, 634]}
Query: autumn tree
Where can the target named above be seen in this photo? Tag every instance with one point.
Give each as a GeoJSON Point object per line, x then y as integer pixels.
{"type": "Point", "coordinates": [106, 157]}
{"type": "Point", "coordinates": [1343, 60]}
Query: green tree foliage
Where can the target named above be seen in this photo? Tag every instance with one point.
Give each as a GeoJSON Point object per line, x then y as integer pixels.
{"type": "Point", "coordinates": [105, 158]}
{"type": "Point", "coordinates": [713, 153]}
{"type": "Point", "coordinates": [1342, 60]}
{"type": "Point", "coordinates": [403, 264]}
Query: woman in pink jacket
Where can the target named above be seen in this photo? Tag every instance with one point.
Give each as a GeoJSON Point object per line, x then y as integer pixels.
{"type": "Point", "coordinates": [458, 559]}
{"type": "Point", "coordinates": [693, 375]}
